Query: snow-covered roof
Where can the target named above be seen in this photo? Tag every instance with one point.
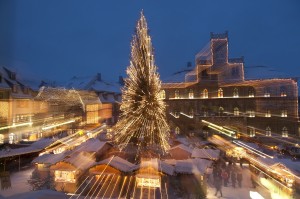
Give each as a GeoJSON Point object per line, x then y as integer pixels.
{"type": "Point", "coordinates": [49, 158]}
{"type": "Point", "coordinates": [92, 83]}
{"type": "Point", "coordinates": [80, 161]}
{"type": "Point", "coordinates": [157, 164]}
{"type": "Point", "coordinates": [192, 166]}
{"type": "Point", "coordinates": [91, 145]}
{"type": "Point", "coordinates": [35, 147]}
{"type": "Point", "coordinates": [206, 153]}
{"type": "Point", "coordinates": [183, 147]}
{"type": "Point", "coordinates": [107, 97]}
{"type": "Point", "coordinates": [117, 163]}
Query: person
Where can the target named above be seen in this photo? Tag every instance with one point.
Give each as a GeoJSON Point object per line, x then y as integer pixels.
{"type": "Point", "coordinates": [239, 178]}
{"type": "Point", "coordinates": [208, 172]}
{"type": "Point", "coordinates": [218, 185]}
{"type": "Point", "coordinates": [225, 177]}
{"type": "Point", "coordinates": [233, 179]}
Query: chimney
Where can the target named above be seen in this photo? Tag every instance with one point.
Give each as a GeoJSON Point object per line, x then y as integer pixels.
{"type": "Point", "coordinates": [98, 77]}
{"type": "Point", "coordinates": [121, 80]}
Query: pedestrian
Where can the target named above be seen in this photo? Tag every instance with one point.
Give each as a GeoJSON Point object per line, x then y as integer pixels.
{"type": "Point", "coordinates": [208, 173]}
{"type": "Point", "coordinates": [225, 177]}
{"type": "Point", "coordinates": [239, 178]}
{"type": "Point", "coordinates": [218, 185]}
{"type": "Point", "coordinates": [233, 179]}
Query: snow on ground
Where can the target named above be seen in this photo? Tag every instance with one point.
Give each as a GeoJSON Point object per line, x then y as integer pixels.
{"type": "Point", "coordinates": [238, 193]}
{"type": "Point", "coordinates": [18, 183]}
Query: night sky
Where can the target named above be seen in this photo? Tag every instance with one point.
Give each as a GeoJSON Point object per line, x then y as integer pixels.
{"type": "Point", "coordinates": [57, 39]}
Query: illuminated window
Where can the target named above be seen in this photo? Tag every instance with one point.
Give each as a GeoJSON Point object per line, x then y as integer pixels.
{"type": "Point", "coordinates": [191, 94]}
{"type": "Point", "coordinates": [268, 131]}
{"type": "Point", "coordinates": [191, 112]}
{"type": "Point", "coordinates": [251, 132]}
{"type": "Point", "coordinates": [235, 92]}
{"type": "Point", "coordinates": [268, 113]}
{"type": "Point", "coordinates": [64, 176]}
{"type": "Point", "coordinates": [251, 113]}
{"type": "Point", "coordinates": [177, 96]}
{"type": "Point", "coordinates": [267, 92]}
{"type": "Point", "coordinates": [205, 93]}
{"type": "Point", "coordinates": [12, 138]}
{"type": "Point", "coordinates": [1, 139]}
{"type": "Point", "coordinates": [285, 132]}
{"type": "Point", "coordinates": [162, 94]}
{"type": "Point", "coordinates": [177, 130]}
{"type": "Point", "coordinates": [220, 93]}
{"type": "Point", "coordinates": [221, 111]}
{"type": "Point", "coordinates": [251, 92]}
{"type": "Point", "coordinates": [283, 113]}
{"type": "Point", "coordinates": [205, 112]}
{"type": "Point", "coordinates": [282, 91]}
{"type": "Point", "coordinates": [236, 111]}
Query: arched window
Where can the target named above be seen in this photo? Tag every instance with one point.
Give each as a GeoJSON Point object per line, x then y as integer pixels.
{"type": "Point", "coordinates": [205, 93]}
{"type": "Point", "coordinates": [221, 111]}
{"type": "Point", "coordinates": [282, 91]}
{"type": "Point", "coordinates": [220, 93]}
{"type": "Point", "coordinates": [251, 92]}
{"type": "Point", "coordinates": [236, 111]}
{"type": "Point", "coordinates": [268, 131]}
{"type": "Point", "coordinates": [285, 132]}
{"type": "Point", "coordinates": [284, 113]}
{"type": "Point", "coordinates": [251, 132]}
{"type": "Point", "coordinates": [12, 138]}
{"type": "Point", "coordinates": [191, 94]}
{"type": "Point", "coordinates": [1, 139]}
{"type": "Point", "coordinates": [268, 113]}
{"type": "Point", "coordinates": [191, 113]}
{"type": "Point", "coordinates": [235, 92]}
{"type": "Point", "coordinates": [177, 96]}
{"type": "Point", "coordinates": [267, 92]}
{"type": "Point", "coordinates": [177, 130]}
{"type": "Point", "coordinates": [251, 113]}
{"type": "Point", "coordinates": [205, 112]}
{"type": "Point", "coordinates": [162, 94]}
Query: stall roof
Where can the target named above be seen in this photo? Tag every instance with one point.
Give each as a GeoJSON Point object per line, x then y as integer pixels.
{"type": "Point", "coordinates": [206, 153]}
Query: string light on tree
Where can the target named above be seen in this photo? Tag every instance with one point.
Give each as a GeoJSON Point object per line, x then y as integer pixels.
{"type": "Point", "coordinates": [143, 120]}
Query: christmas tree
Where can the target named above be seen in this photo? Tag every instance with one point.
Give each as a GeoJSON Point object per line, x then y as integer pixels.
{"type": "Point", "coordinates": [142, 120]}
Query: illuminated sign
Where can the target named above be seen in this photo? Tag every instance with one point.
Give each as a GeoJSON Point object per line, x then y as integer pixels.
{"type": "Point", "coordinates": [148, 182]}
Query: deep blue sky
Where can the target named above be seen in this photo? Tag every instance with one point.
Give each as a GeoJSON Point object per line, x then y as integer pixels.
{"type": "Point", "coordinates": [57, 39]}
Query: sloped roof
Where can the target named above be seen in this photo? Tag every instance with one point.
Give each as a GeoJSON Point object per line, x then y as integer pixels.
{"type": "Point", "coordinates": [183, 147]}
{"type": "Point", "coordinates": [49, 158]}
{"type": "Point", "coordinates": [206, 153]}
{"type": "Point", "coordinates": [91, 145]}
{"type": "Point", "coordinates": [117, 163]}
{"type": "Point", "coordinates": [80, 161]}
{"type": "Point", "coordinates": [157, 164]}
{"type": "Point", "coordinates": [192, 166]}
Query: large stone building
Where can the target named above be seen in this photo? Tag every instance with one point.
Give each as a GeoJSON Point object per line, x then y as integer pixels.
{"type": "Point", "coordinates": [216, 92]}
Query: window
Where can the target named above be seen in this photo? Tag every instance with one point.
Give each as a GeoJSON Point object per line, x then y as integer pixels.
{"type": "Point", "coordinates": [251, 113]}
{"type": "Point", "coordinates": [285, 132]}
{"type": "Point", "coordinates": [235, 92]}
{"type": "Point", "coordinates": [205, 93]}
{"type": "Point", "coordinates": [282, 91]}
{"type": "Point", "coordinates": [235, 71]}
{"type": "Point", "coordinates": [177, 130]}
{"type": "Point", "coordinates": [268, 113]}
{"type": "Point", "coordinates": [221, 111]}
{"type": "Point", "coordinates": [251, 92]}
{"type": "Point", "coordinates": [283, 113]}
{"type": "Point", "coordinates": [177, 96]}
{"type": "Point", "coordinates": [162, 94]}
{"type": "Point", "coordinates": [205, 112]}
{"type": "Point", "coordinates": [251, 132]}
{"type": "Point", "coordinates": [191, 94]}
{"type": "Point", "coordinates": [236, 111]}
{"type": "Point", "coordinates": [12, 138]}
{"type": "Point", "coordinates": [1, 139]}
{"type": "Point", "coordinates": [267, 92]}
{"type": "Point", "coordinates": [220, 93]}
{"type": "Point", "coordinates": [191, 113]}
{"type": "Point", "coordinates": [268, 131]}
{"type": "Point", "coordinates": [64, 176]}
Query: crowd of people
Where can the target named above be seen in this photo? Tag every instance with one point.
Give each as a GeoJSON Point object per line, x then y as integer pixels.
{"type": "Point", "coordinates": [225, 175]}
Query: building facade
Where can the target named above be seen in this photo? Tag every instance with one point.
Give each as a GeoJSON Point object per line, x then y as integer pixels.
{"type": "Point", "coordinates": [216, 92]}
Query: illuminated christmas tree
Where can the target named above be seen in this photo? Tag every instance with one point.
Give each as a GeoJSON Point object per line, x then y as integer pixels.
{"type": "Point", "coordinates": [142, 120]}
